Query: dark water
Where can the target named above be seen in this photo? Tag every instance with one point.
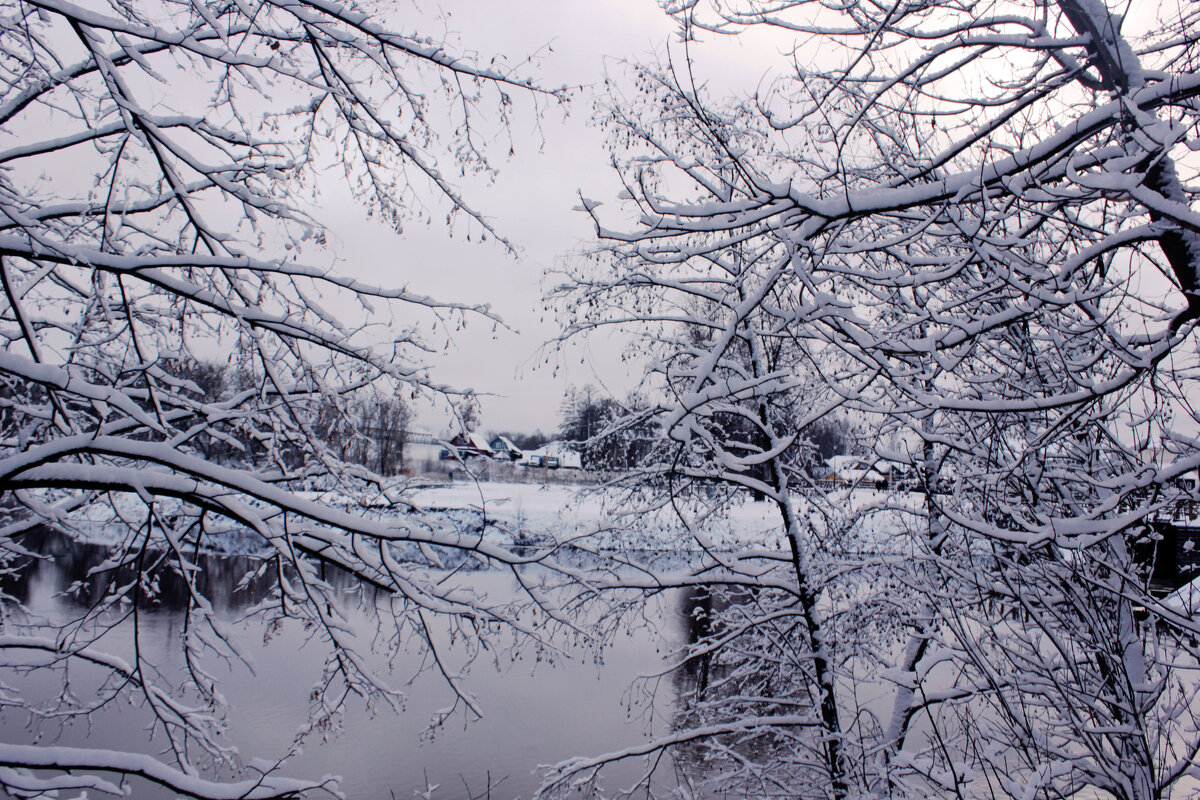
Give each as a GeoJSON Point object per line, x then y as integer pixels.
{"type": "Point", "coordinates": [535, 712]}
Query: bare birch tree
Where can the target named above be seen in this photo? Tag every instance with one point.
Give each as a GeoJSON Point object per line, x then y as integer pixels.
{"type": "Point", "coordinates": [156, 162]}
{"type": "Point", "coordinates": [969, 223]}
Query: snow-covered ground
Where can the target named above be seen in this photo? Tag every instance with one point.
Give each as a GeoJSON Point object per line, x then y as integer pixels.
{"type": "Point", "coordinates": [523, 513]}
{"type": "Point", "coordinates": [566, 513]}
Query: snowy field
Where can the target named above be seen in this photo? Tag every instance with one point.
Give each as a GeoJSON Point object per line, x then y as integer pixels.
{"type": "Point", "coordinates": [532, 514]}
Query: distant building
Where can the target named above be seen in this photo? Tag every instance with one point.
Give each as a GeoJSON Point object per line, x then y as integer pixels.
{"type": "Point", "coordinates": [503, 448]}
{"type": "Point", "coordinates": [421, 450]}
{"type": "Point", "coordinates": [853, 471]}
{"type": "Point", "coordinates": [469, 445]}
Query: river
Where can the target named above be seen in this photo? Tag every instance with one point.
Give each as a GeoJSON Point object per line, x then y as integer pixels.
{"type": "Point", "coordinates": [535, 711]}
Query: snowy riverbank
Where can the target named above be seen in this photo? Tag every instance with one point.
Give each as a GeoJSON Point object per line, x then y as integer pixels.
{"type": "Point", "coordinates": [524, 514]}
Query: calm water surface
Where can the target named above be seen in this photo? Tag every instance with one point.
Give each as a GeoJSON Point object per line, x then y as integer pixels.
{"type": "Point", "coordinates": [535, 712]}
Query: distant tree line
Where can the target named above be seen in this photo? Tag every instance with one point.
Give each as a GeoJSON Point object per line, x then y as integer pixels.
{"type": "Point", "coordinates": [612, 435]}
{"type": "Point", "coordinates": [367, 427]}
{"type": "Point", "coordinates": [607, 434]}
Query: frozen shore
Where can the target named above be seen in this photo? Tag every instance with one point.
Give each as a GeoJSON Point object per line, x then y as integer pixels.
{"type": "Point", "coordinates": [516, 514]}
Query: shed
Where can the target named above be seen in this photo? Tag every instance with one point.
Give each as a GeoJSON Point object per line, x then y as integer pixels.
{"type": "Point", "coordinates": [469, 445]}
{"type": "Point", "coordinates": [503, 448]}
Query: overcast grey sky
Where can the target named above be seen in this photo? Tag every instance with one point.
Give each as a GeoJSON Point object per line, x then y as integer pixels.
{"type": "Point", "coordinates": [530, 202]}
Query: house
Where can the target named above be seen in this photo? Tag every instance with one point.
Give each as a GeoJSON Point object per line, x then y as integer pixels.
{"type": "Point", "coordinates": [421, 450]}
{"type": "Point", "coordinates": [468, 445]}
{"type": "Point", "coordinates": [846, 470]}
{"type": "Point", "coordinates": [505, 450]}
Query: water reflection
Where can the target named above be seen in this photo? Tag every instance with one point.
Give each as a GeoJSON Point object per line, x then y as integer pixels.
{"type": "Point", "coordinates": [539, 707]}
{"type": "Point", "coordinates": [740, 664]}
{"type": "Point", "coordinates": [80, 570]}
